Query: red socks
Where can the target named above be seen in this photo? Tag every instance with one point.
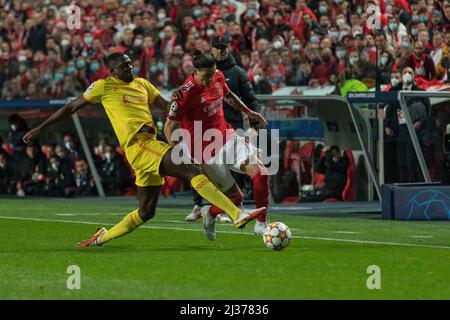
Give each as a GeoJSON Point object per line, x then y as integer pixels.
{"type": "Point", "coordinates": [236, 198]}
{"type": "Point", "coordinates": [261, 191]}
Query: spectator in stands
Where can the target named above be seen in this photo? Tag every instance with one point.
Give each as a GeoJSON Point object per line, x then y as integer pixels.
{"type": "Point", "coordinates": [83, 180]}
{"type": "Point", "coordinates": [6, 173]}
{"type": "Point", "coordinates": [396, 128]}
{"type": "Point", "coordinates": [421, 63]}
{"type": "Point", "coordinates": [385, 66]}
{"type": "Point", "coordinates": [30, 172]}
{"type": "Point", "coordinates": [17, 128]}
{"type": "Point", "coordinates": [334, 166]}
{"type": "Point", "coordinates": [115, 175]}
{"type": "Point", "coordinates": [73, 151]}
{"type": "Point", "coordinates": [59, 180]}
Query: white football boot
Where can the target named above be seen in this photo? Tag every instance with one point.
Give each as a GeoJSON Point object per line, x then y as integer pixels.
{"type": "Point", "coordinates": [209, 223]}
{"type": "Point", "coordinates": [194, 215]}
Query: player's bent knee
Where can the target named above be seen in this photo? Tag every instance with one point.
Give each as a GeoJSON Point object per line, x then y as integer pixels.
{"type": "Point", "coordinates": [146, 214]}
{"type": "Point", "coordinates": [193, 170]}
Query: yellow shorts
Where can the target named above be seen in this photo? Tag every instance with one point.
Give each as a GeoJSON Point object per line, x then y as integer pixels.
{"type": "Point", "coordinates": [144, 153]}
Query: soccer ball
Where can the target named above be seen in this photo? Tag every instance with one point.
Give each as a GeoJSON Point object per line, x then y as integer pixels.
{"type": "Point", "coordinates": [277, 236]}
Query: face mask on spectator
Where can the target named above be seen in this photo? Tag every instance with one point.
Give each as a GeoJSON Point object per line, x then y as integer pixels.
{"type": "Point", "coordinates": [22, 58]}
{"type": "Point", "coordinates": [59, 76]}
{"type": "Point", "coordinates": [393, 26]}
{"type": "Point", "coordinates": [197, 12]}
{"type": "Point", "coordinates": [340, 21]}
{"type": "Point", "coordinates": [251, 13]}
{"type": "Point", "coordinates": [70, 70]}
{"type": "Point", "coordinates": [95, 66]}
{"type": "Point", "coordinates": [47, 77]}
{"type": "Point", "coordinates": [424, 19]}
{"type": "Point", "coordinates": [342, 34]}
{"type": "Point", "coordinates": [359, 10]}
{"type": "Point", "coordinates": [414, 32]}
{"type": "Point", "coordinates": [407, 78]}
{"type": "Point", "coordinates": [334, 34]}
{"type": "Point", "coordinates": [314, 39]}
{"type": "Point", "coordinates": [395, 82]}
{"type": "Point", "coordinates": [295, 48]}
{"type": "Point", "coordinates": [137, 42]}
{"type": "Point", "coordinates": [415, 18]}
{"type": "Point", "coordinates": [323, 9]}
{"type": "Point", "coordinates": [405, 44]}
{"type": "Point", "coordinates": [80, 64]}
{"type": "Point", "coordinates": [277, 44]}
{"type": "Point", "coordinates": [161, 35]}
{"type": "Point", "coordinates": [69, 145]}
{"type": "Point", "coordinates": [14, 127]}
{"type": "Point", "coordinates": [341, 53]}
{"type": "Point", "coordinates": [154, 69]}
{"type": "Point", "coordinates": [430, 8]}
{"type": "Point", "coordinates": [161, 65]}
{"type": "Point", "coordinates": [257, 78]}
{"type": "Point", "coordinates": [88, 39]}
{"type": "Point", "coordinates": [65, 42]}
{"type": "Point", "coordinates": [161, 15]}
{"type": "Point", "coordinates": [136, 70]}
{"type": "Point", "coordinates": [384, 60]}
{"type": "Point", "coordinates": [55, 166]}
{"type": "Point", "coordinates": [108, 156]}
{"type": "Point", "coordinates": [338, 1]}
{"type": "Point", "coordinates": [353, 61]}
{"type": "Point", "coordinates": [210, 32]}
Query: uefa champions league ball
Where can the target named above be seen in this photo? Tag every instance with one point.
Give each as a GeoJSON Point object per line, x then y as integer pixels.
{"type": "Point", "coordinates": [277, 236]}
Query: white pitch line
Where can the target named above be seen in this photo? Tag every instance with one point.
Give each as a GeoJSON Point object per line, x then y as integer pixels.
{"type": "Point", "coordinates": [422, 237]}
{"type": "Point", "coordinates": [238, 232]}
{"type": "Point", "coordinates": [345, 232]}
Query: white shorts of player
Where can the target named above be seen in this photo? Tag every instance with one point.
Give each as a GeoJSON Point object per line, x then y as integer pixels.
{"type": "Point", "coordinates": [231, 156]}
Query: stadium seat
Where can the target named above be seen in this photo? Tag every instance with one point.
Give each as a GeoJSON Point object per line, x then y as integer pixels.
{"type": "Point", "coordinates": [349, 192]}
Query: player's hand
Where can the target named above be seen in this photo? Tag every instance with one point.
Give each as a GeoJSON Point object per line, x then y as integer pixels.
{"type": "Point", "coordinates": [258, 117]}
{"type": "Point", "coordinates": [176, 94]}
{"type": "Point", "coordinates": [30, 135]}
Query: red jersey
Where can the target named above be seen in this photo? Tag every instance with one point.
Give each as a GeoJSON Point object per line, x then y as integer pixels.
{"type": "Point", "coordinates": [204, 105]}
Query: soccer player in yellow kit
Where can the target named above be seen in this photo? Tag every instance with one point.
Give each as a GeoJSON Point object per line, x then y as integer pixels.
{"type": "Point", "coordinates": [127, 101]}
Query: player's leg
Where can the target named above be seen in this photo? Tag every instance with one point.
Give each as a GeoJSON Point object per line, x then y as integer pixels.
{"type": "Point", "coordinates": [205, 188]}
{"type": "Point", "coordinates": [148, 199]}
{"type": "Point", "coordinates": [259, 174]}
{"type": "Point", "coordinates": [245, 160]}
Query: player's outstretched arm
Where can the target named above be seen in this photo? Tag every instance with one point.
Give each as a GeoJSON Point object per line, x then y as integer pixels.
{"type": "Point", "coordinates": [161, 103]}
{"type": "Point", "coordinates": [169, 127]}
{"type": "Point", "coordinates": [62, 113]}
{"type": "Point", "coordinates": [236, 103]}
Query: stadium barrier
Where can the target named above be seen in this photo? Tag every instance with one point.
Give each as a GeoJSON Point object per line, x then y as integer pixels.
{"type": "Point", "coordinates": [416, 201]}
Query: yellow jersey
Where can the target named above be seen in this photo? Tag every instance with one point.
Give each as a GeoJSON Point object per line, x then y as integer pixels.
{"type": "Point", "coordinates": [126, 104]}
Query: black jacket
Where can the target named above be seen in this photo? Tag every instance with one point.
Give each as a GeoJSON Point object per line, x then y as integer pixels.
{"type": "Point", "coordinates": [335, 172]}
{"type": "Point", "coordinates": [240, 85]}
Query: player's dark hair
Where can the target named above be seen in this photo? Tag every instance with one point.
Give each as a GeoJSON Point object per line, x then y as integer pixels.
{"type": "Point", "coordinates": [113, 58]}
{"type": "Point", "coordinates": [202, 60]}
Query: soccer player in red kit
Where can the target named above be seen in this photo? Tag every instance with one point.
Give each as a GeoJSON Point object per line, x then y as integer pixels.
{"type": "Point", "coordinates": [200, 102]}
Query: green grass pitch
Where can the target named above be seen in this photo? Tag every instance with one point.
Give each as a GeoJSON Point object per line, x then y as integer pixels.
{"type": "Point", "coordinates": [170, 259]}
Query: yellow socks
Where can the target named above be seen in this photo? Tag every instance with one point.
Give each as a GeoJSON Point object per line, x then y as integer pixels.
{"type": "Point", "coordinates": [208, 191]}
{"type": "Point", "coordinates": [130, 222]}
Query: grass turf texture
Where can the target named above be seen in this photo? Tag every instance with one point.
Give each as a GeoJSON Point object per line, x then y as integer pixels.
{"type": "Point", "coordinates": [171, 259]}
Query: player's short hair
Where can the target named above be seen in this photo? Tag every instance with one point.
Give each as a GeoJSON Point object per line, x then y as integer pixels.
{"type": "Point", "coordinates": [113, 58]}
{"type": "Point", "coordinates": [202, 60]}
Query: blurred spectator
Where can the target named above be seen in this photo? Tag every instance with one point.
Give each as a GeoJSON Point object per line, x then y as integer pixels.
{"type": "Point", "coordinates": [59, 180]}
{"type": "Point", "coordinates": [115, 175]}
{"type": "Point", "coordinates": [421, 63]}
{"type": "Point", "coordinates": [334, 166]}
{"type": "Point", "coordinates": [6, 173]}
{"type": "Point", "coordinates": [83, 180]}
{"type": "Point", "coordinates": [17, 128]}
{"type": "Point", "coordinates": [31, 171]}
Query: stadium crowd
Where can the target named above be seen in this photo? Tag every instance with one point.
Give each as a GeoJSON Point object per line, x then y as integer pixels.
{"type": "Point", "coordinates": [60, 168]}
{"type": "Point", "coordinates": [278, 42]}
